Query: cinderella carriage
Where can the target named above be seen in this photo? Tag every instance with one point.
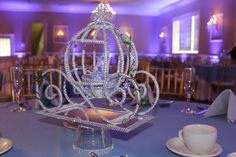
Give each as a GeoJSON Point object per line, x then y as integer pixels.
{"type": "Point", "coordinates": [108, 94]}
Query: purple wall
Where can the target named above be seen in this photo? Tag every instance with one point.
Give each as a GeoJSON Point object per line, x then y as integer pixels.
{"type": "Point", "coordinates": [19, 23]}
{"type": "Point", "coordinates": [146, 29]}
{"type": "Point", "coordinates": [206, 8]}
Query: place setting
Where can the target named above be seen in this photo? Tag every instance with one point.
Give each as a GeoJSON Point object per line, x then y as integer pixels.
{"type": "Point", "coordinates": [5, 145]}
{"type": "Point", "coordinates": [195, 140]}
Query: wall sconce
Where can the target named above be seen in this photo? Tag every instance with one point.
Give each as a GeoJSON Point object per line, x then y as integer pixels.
{"type": "Point", "coordinates": [215, 26]}
{"type": "Point", "coordinates": [212, 24]}
{"type": "Point", "coordinates": [215, 29]}
{"type": "Point", "coordinates": [163, 39]}
{"type": "Point", "coordinates": [163, 32]}
{"type": "Point", "coordinates": [60, 33]}
{"type": "Point", "coordinates": [162, 35]}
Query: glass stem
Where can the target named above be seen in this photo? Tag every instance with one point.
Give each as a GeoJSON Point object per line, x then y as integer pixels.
{"type": "Point", "coordinates": [188, 101]}
{"type": "Point", "coordinates": [188, 97]}
{"type": "Point", "coordinates": [17, 97]}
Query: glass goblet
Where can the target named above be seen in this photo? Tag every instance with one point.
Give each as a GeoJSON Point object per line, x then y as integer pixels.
{"type": "Point", "coordinates": [189, 88]}
{"type": "Point", "coordinates": [17, 85]}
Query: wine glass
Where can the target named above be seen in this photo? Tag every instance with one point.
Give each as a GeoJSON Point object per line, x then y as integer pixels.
{"type": "Point", "coordinates": [17, 85]}
{"type": "Point", "coordinates": [189, 88]}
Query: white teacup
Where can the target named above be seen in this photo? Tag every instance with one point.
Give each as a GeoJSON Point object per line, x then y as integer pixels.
{"type": "Point", "coordinates": [232, 154]}
{"type": "Point", "coordinates": [198, 138]}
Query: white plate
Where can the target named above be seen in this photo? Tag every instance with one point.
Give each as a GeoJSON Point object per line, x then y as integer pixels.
{"type": "Point", "coordinates": [5, 145]}
{"type": "Point", "coordinates": [178, 147]}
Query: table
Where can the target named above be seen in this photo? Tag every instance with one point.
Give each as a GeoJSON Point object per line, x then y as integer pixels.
{"type": "Point", "coordinates": [34, 135]}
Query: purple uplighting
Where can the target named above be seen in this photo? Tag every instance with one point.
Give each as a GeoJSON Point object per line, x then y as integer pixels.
{"type": "Point", "coordinates": [22, 45]}
{"type": "Point", "coordinates": [117, 78]}
{"type": "Point", "coordinates": [214, 59]}
{"type": "Point", "coordinates": [183, 58]}
{"type": "Point", "coordinates": [215, 46]}
{"type": "Point", "coordinates": [152, 7]}
{"type": "Point", "coordinates": [20, 54]}
{"type": "Point", "coordinates": [154, 18]}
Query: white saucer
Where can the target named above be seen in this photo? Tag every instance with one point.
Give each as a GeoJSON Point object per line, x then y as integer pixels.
{"type": "Point", "coordinates": [178, 147]}
{"type": "Point", "coordinates": [5, 145]}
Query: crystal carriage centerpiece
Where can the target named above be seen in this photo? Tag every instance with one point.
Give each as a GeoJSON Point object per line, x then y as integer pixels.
{"type": "Point", "coordinates": [97, 80]}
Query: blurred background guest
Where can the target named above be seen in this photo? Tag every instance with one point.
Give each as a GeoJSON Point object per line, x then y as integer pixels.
{"type": "Point", "coordinates": [232, 54]}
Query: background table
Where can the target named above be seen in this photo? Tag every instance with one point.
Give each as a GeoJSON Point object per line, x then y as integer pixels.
{"type": "Point", "coordinates": [34, 135]}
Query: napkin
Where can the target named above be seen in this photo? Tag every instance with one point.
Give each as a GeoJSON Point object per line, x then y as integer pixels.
{"type": "Point", "coordinates": [224, 104]}
{"type": "Point", "coordinates": [45, 101]}
{"type": "Point", "coordinates": [148, 97]}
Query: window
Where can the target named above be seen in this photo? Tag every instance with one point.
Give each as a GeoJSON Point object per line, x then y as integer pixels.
{"type": "Point", "coordinates": [185, 34]}
{"type": "Point", "coordinates": [6, 45]}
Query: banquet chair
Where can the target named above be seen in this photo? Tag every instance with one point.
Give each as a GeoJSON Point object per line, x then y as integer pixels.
{"type": "Point", "coordinates": [143, 65]}
{"type": "Point", "coordinates": [176, 62]}
{"type": "Point", "coordinates": [170, 81]}
{"type": "Point", "coordinates": [29, 80]}
{"type": "Point", "coordinates": [5, 91]}
{"type": "Point", "coordinates": [219, 86]}
{"type": "Point", "coordinates": [5, 83]}
{"type": "Point", "coordinates": [35, 60]}
{"type": "Point", "coordinates": [226, 79]}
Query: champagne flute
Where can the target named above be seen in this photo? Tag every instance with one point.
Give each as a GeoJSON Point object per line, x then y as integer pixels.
{"type": "Point", "coordinates": [189, 88]}
{"type": "Point", "coordinates": [17, 85]}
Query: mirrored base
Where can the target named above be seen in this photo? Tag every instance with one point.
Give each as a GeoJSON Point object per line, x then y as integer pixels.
{"type": "Point", "coordinates": [92, 139]}
{"type": "Point", "coordinates": [84, 152]}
